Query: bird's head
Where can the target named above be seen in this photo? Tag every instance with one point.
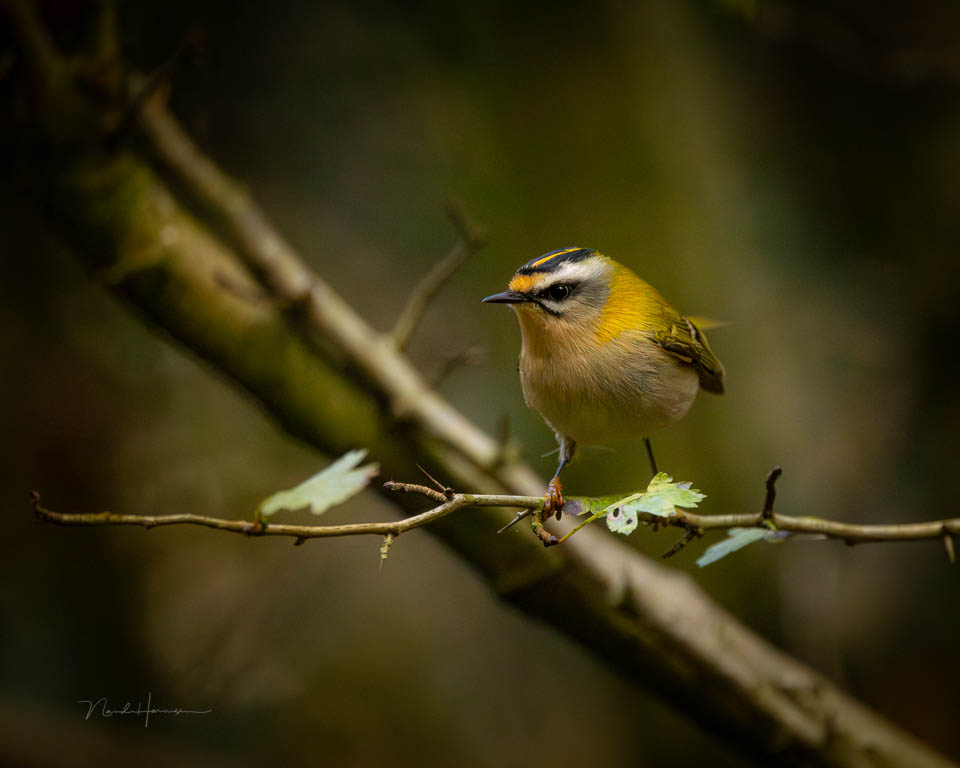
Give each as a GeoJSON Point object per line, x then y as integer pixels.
{"type": "Point", "coordinates": [559, 297]}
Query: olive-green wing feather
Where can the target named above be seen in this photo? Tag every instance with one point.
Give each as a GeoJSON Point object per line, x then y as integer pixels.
{"type": "Point", "coordinates": [686, 342]}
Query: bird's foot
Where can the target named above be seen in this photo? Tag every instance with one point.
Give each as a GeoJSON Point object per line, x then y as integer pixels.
{"type": "Point", "coordinates": [553, 500]}
{"type": "Point", "coordinates": [547, 538]}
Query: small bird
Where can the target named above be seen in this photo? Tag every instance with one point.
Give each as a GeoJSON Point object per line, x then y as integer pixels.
{"type": "Point", "coordinates": [603, 357]}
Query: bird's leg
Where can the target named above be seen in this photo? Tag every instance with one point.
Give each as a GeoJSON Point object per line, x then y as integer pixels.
{"type": "Point", "coordinates": [653, 461]}
{"type": "Point", "coordinates": [553, 500]}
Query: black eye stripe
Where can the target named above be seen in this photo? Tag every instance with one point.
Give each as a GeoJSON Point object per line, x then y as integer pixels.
{"type": "Point", "coordinates": [556, 292]}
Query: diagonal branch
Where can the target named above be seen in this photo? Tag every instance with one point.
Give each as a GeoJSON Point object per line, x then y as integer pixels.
{"type": "Point", "coordinates": [325, 314]}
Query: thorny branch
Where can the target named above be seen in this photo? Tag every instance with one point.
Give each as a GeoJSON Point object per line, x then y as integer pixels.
{"type": "Point", "coordinates": [300, 533]}
{"type": "Point", "coordinates": [694, 525]}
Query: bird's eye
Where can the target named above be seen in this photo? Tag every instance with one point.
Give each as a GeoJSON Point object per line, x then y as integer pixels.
{"type": "Point", "coordinates": [558, 292]}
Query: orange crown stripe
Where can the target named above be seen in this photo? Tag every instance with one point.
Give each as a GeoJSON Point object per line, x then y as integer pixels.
{"type": "Point", "coordinates": [550, 256]}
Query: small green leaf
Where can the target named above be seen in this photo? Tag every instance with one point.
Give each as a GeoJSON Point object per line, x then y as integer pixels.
{"type": "Point", "coordinates": [663, 495]}
{"type": "Point", "coordinates": [660, 498]}
{"type": "Point", "coordinates": [737, 538]}
{"type": "Point", "coordinates": [330, 486]}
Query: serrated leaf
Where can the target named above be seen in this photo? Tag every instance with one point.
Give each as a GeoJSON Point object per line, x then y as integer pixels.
{"type": "Point", "coordinates": [679, 494]}
{"type": "Point", "coordinates": [330, 486]}
{"type": "Point", "coordinates": [737, 538]}
{"type": "Point", "coordinates": [660, 498]}
{"type": "Point", "coordinates": [663, 495]}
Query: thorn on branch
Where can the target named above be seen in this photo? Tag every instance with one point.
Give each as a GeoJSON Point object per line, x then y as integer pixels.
{"type": "Point", "coordinates": [771, 497]}
{"type": "Point", "coordinates": [948, 545]}
{"type": "Point", "coordinates": [446, 490]}
{"type": "Point", "coordinates": [516, 519]}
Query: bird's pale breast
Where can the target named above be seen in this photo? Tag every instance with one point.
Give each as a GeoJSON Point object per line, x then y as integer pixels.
{"type": "Point", "coordinates": [621, 390]}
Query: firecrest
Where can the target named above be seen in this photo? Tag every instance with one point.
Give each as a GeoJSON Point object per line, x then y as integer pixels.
{"type": "Point", "coordinates": [603, 357]}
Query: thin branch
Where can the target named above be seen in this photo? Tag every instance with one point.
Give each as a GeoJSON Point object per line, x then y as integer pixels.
{"type": "Point", "coordinates": [689, 535]}
{"type": "Point", "coordinates": [850, 533]}
{"type": "Point", "coordinates": [471, 238]}
{"type": "Point", "coordinates": [771, 497]}
{"type": "Point", "coordinates": [693, 524]}
{"type": "Point", "coordinates": [299, 532]}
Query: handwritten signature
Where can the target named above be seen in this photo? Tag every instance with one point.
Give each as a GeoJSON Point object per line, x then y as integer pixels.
{"type": "Point", "coordinates": [142, 711]}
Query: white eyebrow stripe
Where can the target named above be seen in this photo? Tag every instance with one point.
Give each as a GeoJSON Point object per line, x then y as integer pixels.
{"type": "Point", "coordinates": [576, 271]}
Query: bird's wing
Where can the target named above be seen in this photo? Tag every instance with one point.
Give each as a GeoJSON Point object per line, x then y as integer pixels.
{"type": "Point", "coordinates": [686, 342]}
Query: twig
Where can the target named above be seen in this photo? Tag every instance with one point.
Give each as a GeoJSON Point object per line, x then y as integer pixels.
{"type": "Point", "coordinates": [299, 532]}
{"type": "Point", "coordinates": [772, 477]}
{"type": "Point", "coordinates": [471, 237]}
{"type": "Point", "coordinates": [650, 458]}
{"type": "Point", "coordinates": [688, 535]}
{"type": "Point", "coordinates": [696, 523]}
{"type": "Point", "coordinates": [693, 524]}
{"type": "Point", "coordinates": [851, 533]}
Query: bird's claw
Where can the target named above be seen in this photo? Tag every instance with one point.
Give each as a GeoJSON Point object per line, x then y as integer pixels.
{"type": "Point", "coordinates": [553, 500]}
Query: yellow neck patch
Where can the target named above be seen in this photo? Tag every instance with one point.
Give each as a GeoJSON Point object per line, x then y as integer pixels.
{"type": "Point", "coordinates": [632, 305]}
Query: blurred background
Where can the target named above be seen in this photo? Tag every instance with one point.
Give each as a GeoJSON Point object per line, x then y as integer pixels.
{"type": "Point", "coordinates": [790, 167]}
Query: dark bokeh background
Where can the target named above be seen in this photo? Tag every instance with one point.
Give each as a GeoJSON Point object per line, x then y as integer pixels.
{"type": "Point", "coordinates": [793, 168]}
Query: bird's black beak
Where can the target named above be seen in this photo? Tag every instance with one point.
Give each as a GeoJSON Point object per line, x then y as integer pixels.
{"type": "Point", "coordinates": [507, 297]}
